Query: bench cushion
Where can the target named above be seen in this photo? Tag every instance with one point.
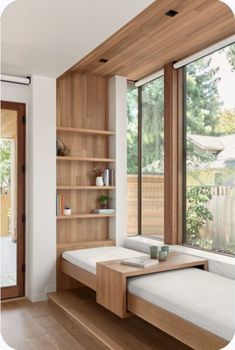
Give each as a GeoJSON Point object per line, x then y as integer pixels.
{"type": "Point", "coordinates": [198, 296]}
{"type": "Point", "coordinates": [87, 258]}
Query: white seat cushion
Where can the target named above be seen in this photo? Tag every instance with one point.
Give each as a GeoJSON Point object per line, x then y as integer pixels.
{"type": "Point", "coordinates": [198, 296]}
{"type": "Point", "coordinates": [87, 258]}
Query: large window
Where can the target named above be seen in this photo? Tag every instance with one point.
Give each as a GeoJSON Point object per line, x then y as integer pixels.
{"type": "Point", "coordinates": [145, 157]}
{"type": "Point", "coordinates": [209, 215]}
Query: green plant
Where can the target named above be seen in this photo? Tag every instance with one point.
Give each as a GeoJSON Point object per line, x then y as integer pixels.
{"type": "Point", "coordinates": [103, 200]}
{"type": "Point", "coordinates": [197, 212]}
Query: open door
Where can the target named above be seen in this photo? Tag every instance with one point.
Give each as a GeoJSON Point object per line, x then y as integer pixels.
{"type": "Point", "coordinates": [12, 196]}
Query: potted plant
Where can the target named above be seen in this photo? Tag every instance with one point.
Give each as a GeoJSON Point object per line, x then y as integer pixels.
{"type": "Point", "coordinates": [103, 200]}
{"type": "Point", "coordinates": [98, 173]}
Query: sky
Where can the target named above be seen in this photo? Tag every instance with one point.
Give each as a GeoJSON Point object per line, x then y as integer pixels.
{"type": "Point", "coordinates": [226, 86]}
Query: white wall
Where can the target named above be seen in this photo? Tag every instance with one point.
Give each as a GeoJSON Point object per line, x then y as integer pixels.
{"type": "Point", "coordinates": [40, 100]}
{"type": "Point", "coordinates": [42, 149]}
{"type": "Point", "coordinates": [118, 122]}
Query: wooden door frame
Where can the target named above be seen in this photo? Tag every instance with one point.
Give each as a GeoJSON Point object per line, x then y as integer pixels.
{"type": "Point", "coordinates": [19, 289]}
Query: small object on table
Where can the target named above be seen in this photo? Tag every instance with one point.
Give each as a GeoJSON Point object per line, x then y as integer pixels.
{"type": "Point", "coordinates": [166, 248]}
{"type": "Point", "coordinates": [154, 252]}
{"type": "Point", "coordinates": [162, 255]}
{"type": "Point", "coordinates": [138, 262]}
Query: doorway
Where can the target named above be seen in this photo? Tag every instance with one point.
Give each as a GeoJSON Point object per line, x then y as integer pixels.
{"type": "Point", "coordinates": [12, 197]}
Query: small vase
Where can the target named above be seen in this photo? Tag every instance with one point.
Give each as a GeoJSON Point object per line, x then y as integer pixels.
{"type": "Point", "coordinates": [99, 181]}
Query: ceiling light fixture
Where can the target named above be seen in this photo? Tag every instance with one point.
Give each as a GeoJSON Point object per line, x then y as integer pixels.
{"type": "Point", "coordinates": [171, 13]}
{"type": "Point", "coordinates": [103, 60]}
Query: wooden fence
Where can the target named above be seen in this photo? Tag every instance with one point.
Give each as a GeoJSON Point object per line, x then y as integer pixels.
{"type": "Point", "coordinates": [152, 204]}
{"type": "Point", "coordinates": [222, 206]}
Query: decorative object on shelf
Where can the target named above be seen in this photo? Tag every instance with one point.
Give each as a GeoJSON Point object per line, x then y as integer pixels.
{"type": "Point", "coordinates": [99, 181]}
{"type": "Point", "coordinates": [67, 211]}
{"type": "Point", "coordinates": [98, 173]}
{"type": "Point", "coordinates": [154, 252]}
{"type": "Point", "coordinates": [61, 149]}
{"type": "Point", "coordinates": [104, 200]}
{"type": "Point", "coordinates": [103, 211]}
{"type": "Point", "coordinates": [111, 177]}
{"type": "Point", "coordinates": [106, 177]}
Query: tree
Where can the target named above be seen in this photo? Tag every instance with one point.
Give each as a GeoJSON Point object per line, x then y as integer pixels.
{"type": "Point", "coordinates": [202, 97]}
{"type": "Point", "coordinates": [226, 123]}
{"type": "Point", "coordinates": [5, 162]}
{"type": "Point", "coordinates": [132, 130]}
{"type": "Point", "coordinates": [230, 53]}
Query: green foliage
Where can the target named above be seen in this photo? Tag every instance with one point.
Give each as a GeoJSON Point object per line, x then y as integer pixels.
{"type": "Point", "coordinates": [226, 125]}
{"type": "Point", "coordinates": [202, 97]}
{"type": "Point", "coordinates": [197, 213]}
{"type": "Point", "coordinates": [132, 131]}
{"type": "Point", "coordinates": [103, 200]}
{"type": "Point", "coordinates": [230, 53]}
{"type": "Point", "coordinates": [5, 162]}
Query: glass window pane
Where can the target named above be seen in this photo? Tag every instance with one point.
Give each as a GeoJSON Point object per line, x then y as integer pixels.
{"type": "Point", "coordinates": [8, 194]}
{"type": "Point", "coordinates": [152, 177]}
{"type": "Point", "coordinates": [210, 152]}
{"type": "Point", "coordinates": [132, 159]}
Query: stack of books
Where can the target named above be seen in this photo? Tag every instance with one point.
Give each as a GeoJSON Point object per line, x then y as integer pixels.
{"type": "Point", "coordinates": [141, 262]}
{"type": "Point", "coordinates": [59, 204]}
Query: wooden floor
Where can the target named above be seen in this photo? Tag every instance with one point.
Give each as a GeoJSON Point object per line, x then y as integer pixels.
{"type": "Point", "coordinates": [113, 332]}
{"type": "Point", "coordinates": [27, 326]}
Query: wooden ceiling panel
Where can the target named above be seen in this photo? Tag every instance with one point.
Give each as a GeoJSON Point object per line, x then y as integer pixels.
{"type": "Point", "coordinates": [151, 39]}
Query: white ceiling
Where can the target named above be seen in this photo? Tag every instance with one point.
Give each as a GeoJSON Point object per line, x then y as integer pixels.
{"type": "Point", "coordinates": [47, 37]}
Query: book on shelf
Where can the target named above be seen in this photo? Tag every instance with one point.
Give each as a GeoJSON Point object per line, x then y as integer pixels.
{"type": "Point", "coordinates": [141, 262]}
{"type": "Point", "coordinates": [103, 211]}
{"type": "Point", "coordinates": [108, 177]}
{"type": "Point", "coordinates": [59, 204]}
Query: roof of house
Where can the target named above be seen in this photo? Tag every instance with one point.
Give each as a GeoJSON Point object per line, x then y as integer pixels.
{"type": "Point", "coordinates": [206, 142]}
{"type": "Point", "coordinates": [225, 145]}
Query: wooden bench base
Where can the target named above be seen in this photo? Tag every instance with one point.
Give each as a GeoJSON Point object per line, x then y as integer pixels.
{"type": "Point", "coordinates": [186, 332]}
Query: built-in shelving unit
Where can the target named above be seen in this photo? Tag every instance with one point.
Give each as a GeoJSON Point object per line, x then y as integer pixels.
{"type": "Point", "coordinates": [86, 131]}
{"type": "Point", "coordinates": [84, 216]}
{"type": "Point", "coordinates": [61, 187]}
{"type": "Point", "coordinates": [82, 126]}
{"type": "Point", "coordinates": [87, 159]}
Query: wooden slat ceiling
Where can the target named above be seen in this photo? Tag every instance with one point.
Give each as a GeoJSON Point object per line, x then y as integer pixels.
{"type": "Point", "coordinates": [152, 39]}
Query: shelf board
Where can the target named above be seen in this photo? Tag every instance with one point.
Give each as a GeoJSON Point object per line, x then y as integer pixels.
{"type": "Point", "coordinates": [86, 159]}
{"type": "Point", "coordinates": [85, 187]}
{"type": "Point", "coordinates": [86, 244]}
{"type": "Point", "coordinates": [84, 216]}
{"type": "Point", "coordinates": [86, 131]}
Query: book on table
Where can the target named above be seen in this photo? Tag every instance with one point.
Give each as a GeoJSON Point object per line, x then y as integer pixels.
{"type": "Point", "coordinates": [141, 262]}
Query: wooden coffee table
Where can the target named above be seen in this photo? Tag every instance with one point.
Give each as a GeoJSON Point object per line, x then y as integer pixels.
{"type": "Point", "coordinates": [111, 279]}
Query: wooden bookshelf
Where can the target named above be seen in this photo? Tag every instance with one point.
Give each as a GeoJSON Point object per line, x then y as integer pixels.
{"type": "Point", "coordinates": [84, 216]}
{"type": "Point", "coordinates": [86, 159]}
{"type": "Point", "coordinates": [82, 125]}
{"type": "Point", "coordinates": [86, 131]}
{"type": "Point", "coordinates": [103, 188]}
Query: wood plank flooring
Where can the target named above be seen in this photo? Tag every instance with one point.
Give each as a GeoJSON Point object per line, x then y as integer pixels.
{"type": "Point", "coordinates": [34, 326]}
{"type": "Point", "coordinates": [113, 332]}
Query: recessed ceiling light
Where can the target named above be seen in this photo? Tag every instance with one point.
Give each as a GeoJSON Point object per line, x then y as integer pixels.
{"type": "Point", "coordinates": [171, 13]}
{"type": "Point", "coordinates": [103, 60]}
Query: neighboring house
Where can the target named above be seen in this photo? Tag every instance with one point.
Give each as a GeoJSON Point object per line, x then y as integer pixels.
{"type": "Point", "coordinates": [220, 169]}
{"type": "Point", "coordinates": [221, 147]}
